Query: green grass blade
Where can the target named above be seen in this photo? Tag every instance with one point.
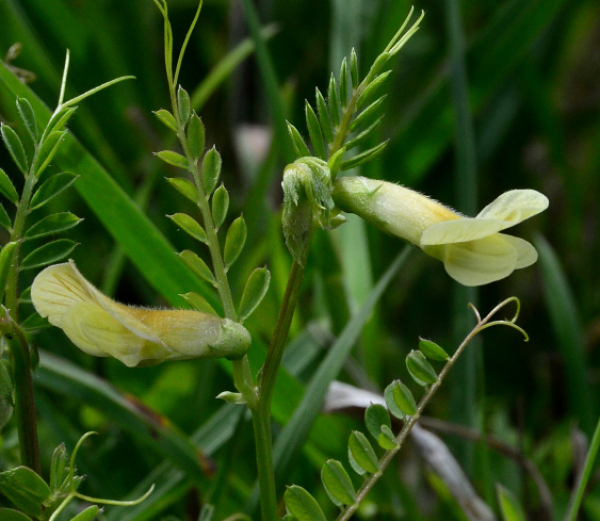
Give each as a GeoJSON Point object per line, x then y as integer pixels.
{"type": "Point", "coordinates": [566, 324]}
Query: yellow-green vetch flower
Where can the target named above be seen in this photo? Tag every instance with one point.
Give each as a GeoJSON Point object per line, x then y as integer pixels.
{"type": "Point", "coordinates": [135, 336]}
{"type": "Point", "coordinates": [472, 249]}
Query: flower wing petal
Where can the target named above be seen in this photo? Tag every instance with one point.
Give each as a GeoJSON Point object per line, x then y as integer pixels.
{"type": "Point", "coordinates": [515, 206]}
{"type": "Point", "coordinates": [526, 253]}
{"type": "Point", "coordinates": [460, 230]}
{"type": "Point", "coordinates": [480, 262]}
{"type": "Point", "coordinates": [95, 331]}
{"type": "Point", "coordinates": [56, 289]}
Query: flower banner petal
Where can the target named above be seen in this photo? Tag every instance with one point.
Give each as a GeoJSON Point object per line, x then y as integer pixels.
{"type": "Point", "coordinates": [460, 230]}
{"type": "Point", "coordinates": [515, 206]}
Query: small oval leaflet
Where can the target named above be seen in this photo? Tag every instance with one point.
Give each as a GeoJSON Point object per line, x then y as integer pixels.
{"type": "Point", "coordinates": [184, 105]}
{"type": "Point", "coordinates": [6, 259]}
{"type": "Point", "coordinates": [302, 505]}
{"type": "Point", "coordinates": [7, 188]}
{"type": "Point", "coordinates": [189, 225]}
{"type": "Point", "coordinates": [432, 350]}
{"type": "Point", "coordinates": [51, 188]}
{"type": "Point", "coordinates": [344, 83]}
{"type": "Point", "coordinates": [48, 254]}
{"type": "Point", "coordinates": [25, 489]}
{"type": "Point", "coordinates": [361, 455]}
{"type": "Point", "coordinates": [184, 187]}
{"type": "Point", "coordinates": [196, 136]}
{"type": "Point", "coordinates": [198, 302]}
{"type": "Point", "coordinates": [15, 147]}
{"type": "Point", "coordinates": [166, 118]}
{"type": "Point", "coordinates": [55, 223]}
{"type": "Point", "coordinates": [220, 205]}
{"type": "Point", "coordinates": [314, 131]}
{"type": "Point", "coordinates": [88, 514]}
{"type": "Point", "coordinates": [297, 141]}
{"type": "Point", "coordinates": [375, 416]}
{"type": "Point", "coordinates": [235, 240]}
{"type": "Point", "coordinates": [211, 170]}
{"type": "Point", "coordinates": [324, 116]}
{"type": "Point", "coordinates": [386, 439]}
{"type": "Point", "coordinates": [58, 466]}
{"type": "Point", "coordinates": [420, 369]}
{"type": "Point", "coordinates": [9, 514]}
{"type": "Point", "coordinates": [391, 403]}
{"type": "Point", "coordinates": [334, 101]}
{"type": "Point", "coordinates": [404, 398]}
{"type": "Point", "coordinates": [255, 290]}
{"type": "Point", "coordinates": [173, 158]}
{"type": "Point", "coordinates": [49, 148]}
{"type": "Point", "coordinates": [197, 265]}
{"type": "Point", "coordinates": [5, 221]}
{"type": "Point", "coordinates": [367, 113]}
{"type": "Point", "coordinates": [337, 483]}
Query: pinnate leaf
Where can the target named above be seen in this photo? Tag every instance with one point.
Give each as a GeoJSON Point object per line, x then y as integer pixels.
{"type": "Point", "coordinates": [255, 290]}
{"type": "Point", "coordinates": [337, 483]}
{"type": "Point", "coordinates": [48, 254]}
{"type": "Point", "coordinates": [235, 240]}
{"type": "Point", "coordinates": [51, 188]}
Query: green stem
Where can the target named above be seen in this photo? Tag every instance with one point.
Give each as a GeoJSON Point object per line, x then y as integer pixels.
{"type": "Point", "coordinates": [19, 348]}
{"type": "Point", "coordinates": [261, 419]}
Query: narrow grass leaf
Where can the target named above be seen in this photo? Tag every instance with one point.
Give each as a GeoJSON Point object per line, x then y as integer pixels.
{"type": "Point", "coordinates": [509, 506]}
{"type": "Point", "coordinates": [196, 136]}
{"type": "Point", "coordinates": [297, 141]}
{"type": "Point", "coordinates": [167, 119]}
{"type": "Point", "coordinates": [197, 265]}
{"type": "Point", "coordinates": [5, 221]}
{"type": "Point", "coordinates": [314, 131]}
{"type": "Point", "coordinates": [198, 302]}
{"type": "Point", "coordinates": [235, 240]}
{"type": "Point", "coordinates": [334, 101]}
{"type": "Point", "coordinates": [420, 369]}
{"type": "Point", "coordinates": [184, 187]}
{"type": "Point", "coordinates": [364, 157]}
{"type": "Point", "coordinates": [220, 205]}
{"type": "Point", "coordinates": [376, 415]}
{"type": "Point", "coordinates": [432, 350]}
{"type": "Point", "coordinates": [337, 483]}
{"type": "Point", "coordinates": [7, 188]}
{"type": "Point", "coordinates": [211, 170]}
{"type": "Point", "coordinates": [255, 290]}
{"type": "Point", "coordinates": [48, 254]}
{"type": "Point", "coordinates": [302, 505]}
{"type": "Point", "coordinates": [48, 151]}
{"type": "Point", "coordinates": [28, 117]}
{"type": "Point", "coordinates": [189, 225]}
{"type": "Point", "coordinates": [324, 116]}
{"type": "Point", "coordinates": [361, 455]}
{"type": "Point", "coordinates": [25, 489]}
{"type": "Point", "coordinates": [173, 158]}
{"type": "Point", "coordinates": [52, 224]}
{"type": "Point", "coordinates": [15, 147]}
{"type": "Point", "coordinates": [51, 188]}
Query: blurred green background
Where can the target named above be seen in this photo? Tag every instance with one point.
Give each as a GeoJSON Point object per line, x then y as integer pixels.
{"type": "Point", "coordinates": [533, 79]}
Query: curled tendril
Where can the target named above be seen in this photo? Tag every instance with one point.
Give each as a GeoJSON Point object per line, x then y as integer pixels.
{"type": "Point", "coordinates": [485, 323]}
{"type": "Point", "coordinates": [504, 323]}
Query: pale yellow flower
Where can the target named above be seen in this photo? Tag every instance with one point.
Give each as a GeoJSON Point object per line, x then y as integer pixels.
{"type": "Point", "coordinates": [135, 336]}
{"type": "Point", "coordinates": [472, 249]}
